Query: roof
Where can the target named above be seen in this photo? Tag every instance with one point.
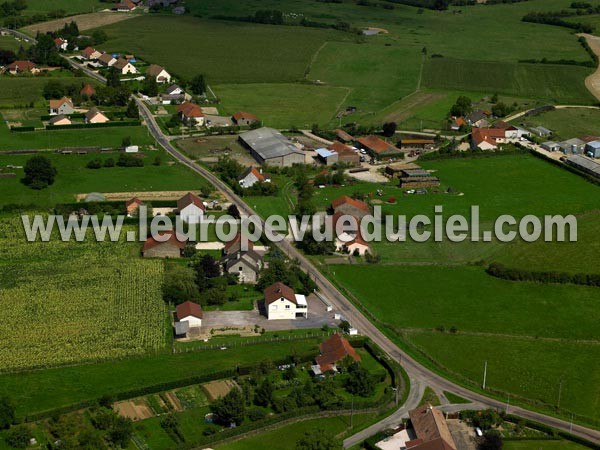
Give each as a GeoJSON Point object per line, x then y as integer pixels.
{"type": "Point", "coordinates": [476, 116]}
{"type": "Point", "coordinates": [189, 199]}
{"type": "Point", "coordinates": [254, 171]}
{"type": "Point", "coordinates": [106, 58]}
{"type": "Point", "coordinates": [594, 144]}
{"type": "Point", "coordinates": [172, 239]}
{"type": "Point", "coordinates": [585, 163]}
{"type": "Point", "coordinates": [502, 125]}
{"type": "Point", "coordinates": [343, 135]}
{"type": "Point", "coordinates": [58, 118]}
{"type": "Point", "coordinates": [570, 142]}
{"type": "Point", "coordinates": [172, 88]}
{"type": "Point", "coordinates": [550, 144]}
{"type": "Point", "coordinates": [188, 308]}
{"type": "Point", "coordinates": [241, 115]}
{"type": "Point", "coordinates": [125, 4]}
{"type": "Point", "coordinates": [22, 65]}
{"type": "Point", "coordinates": [335, 349]}
{"type": "Point", "coordinates": [249, 258]}
{"type": "Point", "coordinates": [338, 147]}
{"type": "Point", "coordinates": [59, 41]}
{"type": "Point", "coordinates": [121, 63]}
{"type": "Point", "coordinates": [132, 201]}
{"type": "Point", "coordinates": [488, 135]}
{"type": "Point", "coordinates": [416, 141]}
{"type": "Point", "coordinates": [154, 70]}
{"type": "Point", "coordinates": [189, 109]}
{"type": "Point", "coordinates": [429, 425]}
{"type": "Point", "coordinates": [325, 153]}
{"type": "Point", "coordinates": [460, 121]}
{"type": "Point", "coordinates": [269, 143]}
{"type": "Point", "coordinates": [277, 291]}
{"type": "Point", "coordinates": [88, 51]}
{"type": "Point", "coordinates": [93, 112]}
{"type": "Point", "coordinates": [436, 444]}
{"type": "Point", "coordinates": [345, 200]}
{"type": "Point", "coordinates": [88, 90]}
{"type": "Point", "coordinates": [588, 138]}
{"type": "Point", "coordinates": [237, 238]}
{"type": "Point", "coordinates": [377, 145]}
{"type": "Point", "coordinates": [58, 103]}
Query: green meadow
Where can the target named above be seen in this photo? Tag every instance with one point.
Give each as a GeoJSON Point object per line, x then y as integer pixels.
{"type": "Point", "coordinates": [70, 7]}
{"type": "Point", "coordinates": [567, 123]}
{"type": "Point", "coordinates": [23, 90]}
{"type": "Point", "coordinates": [74, 178]}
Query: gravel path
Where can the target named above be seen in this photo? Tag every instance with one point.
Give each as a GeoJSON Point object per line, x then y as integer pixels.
{"type": "Point", "coordinates": [593, 81]}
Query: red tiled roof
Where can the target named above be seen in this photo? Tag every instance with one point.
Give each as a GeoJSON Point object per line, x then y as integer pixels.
{"type": "Point", "coordinates": [333, 350]}
{"type": "Point", "coordinates": [88, 51]}
{"type": "Point", "coordinates": [237, 238]}
{"type": "Point", "coordinates": [338, 147]}
{"type": "Point", "coordinates": [189, 199]}
{"type": "Point", "coordinates": [59, 41]}
{"type": "Point", "coordinates": [350, 201]}
{"type": "Point", "coordinates": [343, 135]}
{"type": "Point", "coordinates": [21, 65]}
{"type": "Point", "coordinates": [58, 103]}
{"type": "Point", "coordinates": [132, 201]}
{"type": "Point", "coordinates": [460, 121]}
{"type": "Point", "coordinates": [488, 135]}
{"type": "Point", "coordinates": [244, 115]}
{"type": "Point", "coordinates": [502, 125]}
{"type": "Point", "coordinates": [189, 109]}
{"type": "Point", "coordinates": [278, 290]}
{"type": "Point", "coordinates": [377, 145]}
{"type": "Point", "coordinates": [172, 240]}
{"type": "Point", "coordinates": [88, 90]}
{"type": "Point", "coordinates": [188, 308]}
{"type": "Point", "coordinates": [429, 425]}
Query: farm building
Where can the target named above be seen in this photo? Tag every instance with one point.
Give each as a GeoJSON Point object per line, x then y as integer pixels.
{"type": "Point", "coordinates": [237, 244]}
{"type": "Point", "coordinates": [62, 106]}
{"type": "Point", "coordinates": [189, 315]}
{"type": "Point", "coordinates": [125, 6]}
{"type": "Point", "coordinates": [60, 119]}
{"type": "Point", "coordinates": [478, 118]}
{"type": "Point", "coordinates": [333, 350]}
{"type": "Point", "coordinates": [132, 206]}
{"type": "Point", "coordinates": [87, 91]}
{"type": "Point", "coordinates": [245, 265]}
{"type": "Point", "coordinates": [511, 131]}
{"type": "Point", "coordinates": [346, 154]}
{"type": "Point", "coordinates": [487, 138]}
{"type": "Point", "coordinates": [541, 131]}
{"type": "Point", "coordinates": [457, 123]}
{"type": "Point", "coordinates": [343, 136]}
{"type": "Point", "coordinates": [169, 245]}
{"type": "Point", "coordinates": [377, 147]}
{"type": "Point", "coordinates": [94, 115]}
{"type": "Point", "coordinates": [159, 74]}
{"type": "Point", "coordinates": [350, 206]}
{"type": "Point", "coordinates": [573, 146]}
{"type": "Point", "coordinates": [592, 149]}
{"type": "Point", "coordinates": [551, 146]}
{"type": "Point", "coordinates": [326, 156]}
{"type": "Point", "coordinates": [251, 176]}
{"type": "Point", "coordinates": [395, 170]}
{"type": "Point", "coordinates": [242, 118]}
{"type": "Point", "coordinates": [282, 303]}
{"type": "Point", "coordinates": [584, 164]}
{"type": "Point", "coordinates": [420, 144]}
{"type": "Point", "coordinates": [431, 430]}
{"type": "Point", "coordinates": [269, 146]}
{"type": "Point", "coordinates": [417, 178]}
{"type": "Point", "coordinates": [191, 208]}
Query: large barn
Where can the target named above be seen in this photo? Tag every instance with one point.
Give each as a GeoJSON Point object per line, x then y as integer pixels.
{"type": "Point", "coordinates": [269, 146]}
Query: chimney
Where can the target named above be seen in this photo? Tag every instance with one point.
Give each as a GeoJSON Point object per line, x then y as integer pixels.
{"type": "Point", "coordinates": [260, 170]}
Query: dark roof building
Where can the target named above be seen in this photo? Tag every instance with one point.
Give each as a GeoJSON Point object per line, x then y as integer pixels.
{"type": "Point", "coordinates": [269, 146]}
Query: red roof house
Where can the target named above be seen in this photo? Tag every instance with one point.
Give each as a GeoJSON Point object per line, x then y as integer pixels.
{"type": "Point", "coordinates": [334, 350]}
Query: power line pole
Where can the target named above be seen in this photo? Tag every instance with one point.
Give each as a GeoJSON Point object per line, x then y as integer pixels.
{"type": "Point", "coordinates": [559, 393]}
{"type": "Point", "coordinates": [484, 374]}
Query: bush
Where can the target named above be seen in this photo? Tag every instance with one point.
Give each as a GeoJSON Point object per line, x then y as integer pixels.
{"type": "Point", "coordinates": [94, 164]}
{"type": "Point", "coordinates": [256, 413]}
{"type": "Point", "coordinates": [19, 436]}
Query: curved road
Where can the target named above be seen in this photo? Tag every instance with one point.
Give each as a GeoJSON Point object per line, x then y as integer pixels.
{"type": "Point", "coordinates": [419, 375]}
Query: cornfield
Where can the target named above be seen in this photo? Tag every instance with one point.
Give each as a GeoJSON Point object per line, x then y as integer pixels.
{"type": "Point", "coordinates": [68, 302]}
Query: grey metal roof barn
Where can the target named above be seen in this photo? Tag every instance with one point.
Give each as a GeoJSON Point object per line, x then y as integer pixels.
{"type": "Point", "coordinates": [587, 165]}
{"type": "Point", "coordinates": [269, 146]}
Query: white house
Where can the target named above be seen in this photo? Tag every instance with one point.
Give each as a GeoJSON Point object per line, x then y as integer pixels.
{"type": "Point", "coordinates": [159, 74]}
{"type": "Point", "coordinates": [125, 67]}
{"type": "Point", "coordinates": [282, 303]}
{"type": "Point", "coordinates": [251, 176]}
{"type": "Point", "coordinates": [191, 209]}
{"type": "Point", "coordinates": [190, 312]}
{"type": "Point", "coordinates": [61, 44]}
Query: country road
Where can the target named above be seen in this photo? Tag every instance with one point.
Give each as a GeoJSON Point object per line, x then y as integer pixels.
{"type": "Point", "coordinates": [419, 375]}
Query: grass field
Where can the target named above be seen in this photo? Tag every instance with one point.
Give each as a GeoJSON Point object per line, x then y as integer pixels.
{"type": "Point", "coordinates": [45, 390]}
{"type": "Point", "coordinates": [567, 123]}
{"type": "Point", "coordinates": [557, 84]}
{"type": "Point", "coordinates": [10, 43]}
{"type": "Point", "coordinates": [69, 6]}
{"type": "Point", "coordinates": [21, 91]}
{"type": "Point", "coordinates": [74, 178]}
{"type": "Point", "coordinates": [542, 445]}
{"type": "Point", "coordinates": [227, 52]}
{"type": "Point", "coordinates": [56, 313]}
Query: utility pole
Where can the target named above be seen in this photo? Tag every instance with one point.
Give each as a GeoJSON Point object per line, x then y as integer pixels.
{"type": "Point", "coordinates": [571, 424]}
{"type": "Point", "coordinates": [507, 402]}
{"type": "Point", "coordinates": [559, 393]}
{"type": "Point", "coordinates": [352, 413]}
{"type": "Point", "coordinates": [484, 374]}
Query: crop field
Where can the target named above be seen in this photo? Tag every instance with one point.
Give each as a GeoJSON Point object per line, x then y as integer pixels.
{"type": "Point", "coordinates": [226, 52]}
{"type": "Point", "coordinates": [558, 84]}
{"type": "Point", "coordinates": [69, 6]}
{"type": "Point", "coordinates": [567, 123]}
{"type": "Point", "coordinates": [84, 21]}
{"type": "Point", "coordinates": [76, 302]}
{"type": "Point", "coordinates": [74, 178]}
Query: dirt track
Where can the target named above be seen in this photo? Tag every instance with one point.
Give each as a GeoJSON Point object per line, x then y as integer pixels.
{"type": "Point", "coordinates": [593, 81]}
{"type": "Point", "coordinates": [84, 22]}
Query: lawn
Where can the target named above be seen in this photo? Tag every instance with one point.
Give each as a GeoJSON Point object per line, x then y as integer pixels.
{"type": "Point", "coordinates": [48, 389]}
{"type": "Point", "coordinates": [554, 83]}
{"type": "Point", "coordinates": [21, 91]}
{"type": "Point", "coordinates": [74, 178]}
{"type": "Point", "coordinates": [567, 123]}
{"type": "Point", "coordinates": [226, 52]}
{"type": "Point", "coordinates": [11, 43]}
{"type": "Point", "coordinates": [76, 302]}
{"type": "Point", "coordinates": [70, 7]}
{"type": "Point", "coordinates": [542, 445]}
{"type": "Point", "coordinates": [94, 137]}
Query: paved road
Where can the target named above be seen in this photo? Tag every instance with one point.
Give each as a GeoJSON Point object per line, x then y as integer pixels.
{"type": "Point", "coordinates": [419, 375]}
